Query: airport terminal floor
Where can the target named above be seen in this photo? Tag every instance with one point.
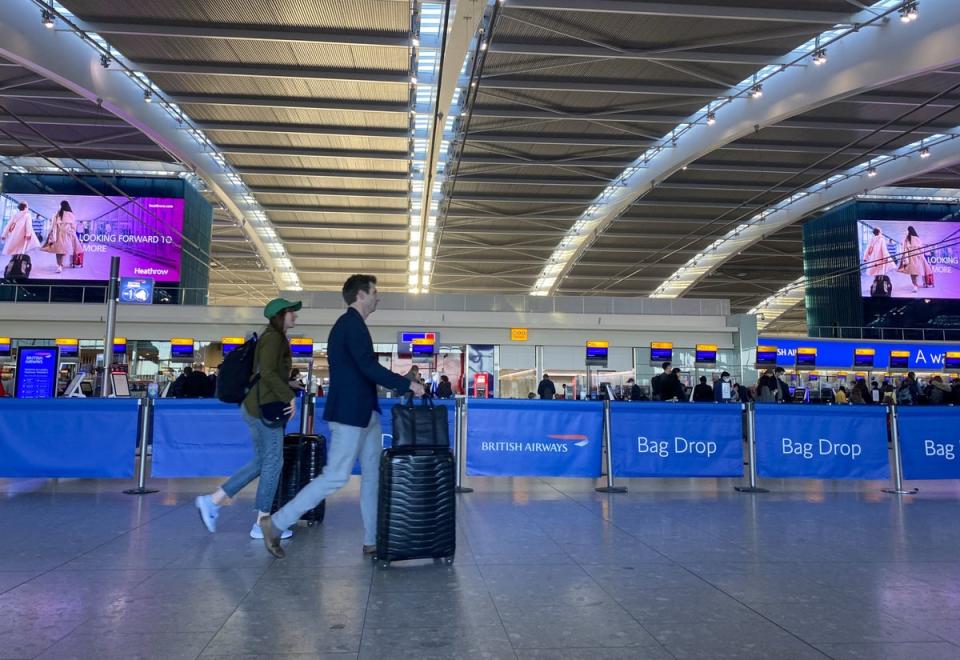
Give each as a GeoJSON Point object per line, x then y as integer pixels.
{"type": "Point", "coordinates": [545, 568]}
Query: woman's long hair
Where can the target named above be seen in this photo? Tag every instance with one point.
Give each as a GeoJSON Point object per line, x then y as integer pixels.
{"type": "Point", "coordinates": [276, 322]}
{"type": "Point", "coordinates": [64, 208]}
{"type": "Point", "coordinates": [912, 233]}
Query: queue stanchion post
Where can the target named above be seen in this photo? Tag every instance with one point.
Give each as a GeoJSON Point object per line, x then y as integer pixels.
{"type": "Point", "coordinates": [459, 442]}
{"type": "Point", "coordinates": [607, 434]}
{"type": "Point", "coordinates": [897, 468]}
{"type": "Point", "coordinates": [750, 413]}
{"type": "Point", "coordinates": [144, 431]}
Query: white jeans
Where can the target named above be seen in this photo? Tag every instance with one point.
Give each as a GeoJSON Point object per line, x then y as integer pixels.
{"type": "Point", "coordinates": [346, 443]}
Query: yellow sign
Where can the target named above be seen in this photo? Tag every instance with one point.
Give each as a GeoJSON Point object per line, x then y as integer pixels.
{"type": "Point", "coordinates": [661, 344]}
{"type": "Point", "coordinates": [304, 341]}
{"type": "Point", "coordinates": [807, 351]}
{"type": "Point", "coordinates": [181, 341]}
{"type": "Point", "coordinates": [231, 340]}
{"type": "Point", "coordinates": [953, 354]}
{"type": "Point", "coordinates": [707, 347]}
{"type": "Point", "coordinates": [865, 351]}
{"type": "Point", "coordinates": [519, 334]}
{"type": "Point", "coordinates": [905, 354]}
{"type": "Point", "coordinates": [63, 341]}
{"type": "Point", "coordinates": [766, 349]}
{"type": "Point", "coordinates": [861, 374]}
{"type": "Point", "coordinates": [598, 344]}
{"type": "Point", "coordinates": [4, 340]}
{"type": "Point", "coordinates": [119, 341]}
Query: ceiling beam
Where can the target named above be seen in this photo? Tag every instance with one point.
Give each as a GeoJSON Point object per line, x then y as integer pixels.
{"type": "Point", "coordinates": [250, 33]}
{"type": "Point", "coordinates": [563, 140]}
{"type": "Point", "coordinates": [685, 10]}
{"type": "Point", "coordinates": [604, 116]}
{"type": "Point", "coordinates": [600, 86]}
{"type": "Point", "coordinates": [342, 226]}
{"type": "Point", "coordinates": [599, 52]}
{"type": "Point", "coordinates": [342, 210]}
{"type": "Point", "coordinates": [319, 254]}
{"type": "Point", "coordinates": [304, 129]}
{"type": "Point", "coordinates": [866, 126]}
{"type": "Point", "coordinates": [257, 170]}
{"type": "Point", "coordinates": [739, 166]}
{"type": "Point", "coordinates": [725, 187]}
{"type": "Point", "coordinates": [184, 98]}
{"type": "Point", "coordinates": [46, 94]}
{"type": "Point", "coordinates": [559, 161]}
{"type": "Point", "coordinates": [518, 199]}
{"type": "Point", "coordinates": [329, 192]}
{"type": "Point", "coordinates": [531, 181]}
{"type": "Point", "coordinates": [346, 242]}
{"type": "Point", "coordinates": [95, 121]}
{"type": "Point", "coordinates": [267, 150]}
{"type": "Point", "coordinates": [270, 71]}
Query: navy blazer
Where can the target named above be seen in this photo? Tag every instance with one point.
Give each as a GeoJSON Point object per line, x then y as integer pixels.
{"type": "Point", "coordinates": [355, 373]}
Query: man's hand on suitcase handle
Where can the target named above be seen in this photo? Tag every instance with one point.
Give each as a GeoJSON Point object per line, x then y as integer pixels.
{"type": "Point", "coordinates": [416, 388]}
{"type": "Point", "coordinates": [289, 410]}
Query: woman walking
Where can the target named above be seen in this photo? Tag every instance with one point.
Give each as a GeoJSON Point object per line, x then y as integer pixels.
{"type": "Point", "coordinates": [266, 409]}
{"type": "Point", "coordinates": [18, 237]}
{"type": "Point", "coordinates": [62, 239]}
{"type": "Point", "coordinates": [913, 262]}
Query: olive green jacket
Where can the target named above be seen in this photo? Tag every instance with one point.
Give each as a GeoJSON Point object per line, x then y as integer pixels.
{"type": "Point", "coordinates": [274, 362]}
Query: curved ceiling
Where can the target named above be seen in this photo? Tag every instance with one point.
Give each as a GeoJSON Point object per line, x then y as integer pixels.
{"type": "Point", "coordinates": [311, 105]}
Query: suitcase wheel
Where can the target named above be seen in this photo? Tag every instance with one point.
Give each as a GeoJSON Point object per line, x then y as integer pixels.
{"type": "Point", "coordinates": [311, 523]}
{"type": "Point", "coordinates": [384, 565]}
{"type": "Point", "coordinates": [448, 560]}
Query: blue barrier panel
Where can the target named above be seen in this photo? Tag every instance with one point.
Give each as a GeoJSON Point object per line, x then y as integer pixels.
{"type": "Point", "coordinates": [386, 422]}
{"type": "Point", "coordinates": [929, 441]}
{"type": "Point", "coordinates": [201, 438]}
{"type": "Point", "coordinates": [522, 438]}
{"type": "Point", "coordinates": [68, 437]}
{"type": "Point", "coordinates": [676, 440]}
{"type": "Point", "coordinates": [822, 442]}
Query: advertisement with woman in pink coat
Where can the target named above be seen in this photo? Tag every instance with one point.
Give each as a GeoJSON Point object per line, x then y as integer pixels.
{"type": "Point", "coordinates": [18, 236]}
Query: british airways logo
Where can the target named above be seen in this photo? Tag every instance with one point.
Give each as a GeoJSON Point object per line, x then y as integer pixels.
{"type": "Point", "coordinates": [558, 443]}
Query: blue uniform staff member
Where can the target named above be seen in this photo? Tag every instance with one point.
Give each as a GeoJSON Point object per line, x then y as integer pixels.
{"type": "Point", "coordinates": [353, 413]}
{"type": "Point", "coordinates": [270, 394]}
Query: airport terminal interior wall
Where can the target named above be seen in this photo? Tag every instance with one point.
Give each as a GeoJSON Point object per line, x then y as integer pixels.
{"type": "Point", "coordinates": [830, 246]}
{"type": "Point", "coordinates": [197, 214]}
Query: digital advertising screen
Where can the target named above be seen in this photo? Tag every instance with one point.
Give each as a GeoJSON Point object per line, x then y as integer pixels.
{"type": "Point", "coordinates": [706, 354]}
{"type": "Point", "coordinates": [806, 357]}
{"type": "Point", "coordinates": [301, 347]}
{"type": "Point", "coordinates": [766, 356]}
{"type": "Point", "coordinates": [926, 266]}
{"type": "Point", "coordinates": [899, 359]}
{"type": "Point", "coordinates": [145, 232]}
{"type": "Point", "coordinates": [421, 343]}
{"type": "Point", "coordinates": [181, 349]}
{"type": "Point", "coordinates": [863, 357]}
{"type": "Point", "coordinates": [37, 372]}
{"type": "Point", "coordinates": [660, 352]}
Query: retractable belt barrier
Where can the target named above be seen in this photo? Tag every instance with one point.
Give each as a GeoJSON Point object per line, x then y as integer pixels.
{"type": "Point", "coordinates": [53, 438]}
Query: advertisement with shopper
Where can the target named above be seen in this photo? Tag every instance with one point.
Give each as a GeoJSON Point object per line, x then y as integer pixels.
{"type": "Point", "coordinates": [907, 259]}
{"type": "Point", "coordinates": [76, 235]}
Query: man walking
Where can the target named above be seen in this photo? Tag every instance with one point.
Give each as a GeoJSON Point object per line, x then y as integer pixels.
{"type": "Point", "coordinates": [353, 413]}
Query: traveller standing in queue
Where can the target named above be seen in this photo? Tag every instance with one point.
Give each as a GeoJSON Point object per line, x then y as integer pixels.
{"type": "Point", "coordinates": [546, 389]}
{"type": "Point", "coordinates": [353, 414]}
{"type": "Point", "coordinates": [703, 393]}
{"type": "Point", "coordinates": [634, 393]}
{"type": "Point", "coordinates": [269, 396]}
{"type": "Point", "coordinates": [657, 382]}
{"type": "Point", "coordinates": [782, 386]}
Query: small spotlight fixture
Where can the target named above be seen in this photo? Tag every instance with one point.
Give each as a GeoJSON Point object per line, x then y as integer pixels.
{"type": "Point", "coordinates": [684, 168]}
{"type": "Point", "coordinates": [47, 19]}
{"type": "Point", "coordinates": [711, 118]}
{"type": "Point", "coordinates": [909, 12]}
{"type": "Point", "coordinates": [914, 11]}
{"type": "Point", "coordinates": [925, 152]}
{"type": "Point", "coordinates": [413, 80]}
{"type": "Point", "coordinates": [147, 96]}
{"type": "Point", "coordinates": [105, 61]}
{"type": "Point", "coordinates": [872, 171]}
{"type": "Point", "coordinates": [483, 45]}
{"type": "Point", "coordinates": [820, 56]}
{"type": "Point", "coordinates": [415, 42]}
{"type": "Point", "coordinates": [756, 91]}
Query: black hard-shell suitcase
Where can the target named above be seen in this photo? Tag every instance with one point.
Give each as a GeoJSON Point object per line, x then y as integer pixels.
{"type": "Point", "coordinates": [18, 269]}
{"type": "Point", "coordinates": [304, 457]}
{"type": "Point", "coordinates": [416, 517]}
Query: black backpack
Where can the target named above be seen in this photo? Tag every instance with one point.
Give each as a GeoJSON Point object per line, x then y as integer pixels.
{"type": "Point", "coordinates": [882, 287]}
{"type": "Point", "coordinates": [236, 372]}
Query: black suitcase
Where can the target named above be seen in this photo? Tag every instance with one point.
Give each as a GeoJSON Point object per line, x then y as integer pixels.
{"type": "Point", "coordinates": [304, 457]}
{"type": "Point", "coordinates": [882, 287]}
{"type": "Point", "coordinates": [416, 516]}
{"type": "Point", "coordinates": [19, 268]}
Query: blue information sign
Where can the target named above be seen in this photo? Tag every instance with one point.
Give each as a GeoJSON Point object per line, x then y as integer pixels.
{"type": "Point", "coordinates": [37, 370]}
{"type": "Point", "coordinates": [136, 290]}
{"type": "Point", "coordinates": [929, 447]}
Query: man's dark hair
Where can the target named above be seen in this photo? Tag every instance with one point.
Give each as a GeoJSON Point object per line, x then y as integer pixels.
{"type": "Point", "coordinates": [665, 365]}
{"type": "Point", "coordinates": [546, 376]}
{"type": "Point", "coordinates": [355, 284]}
{"type": "Point", "coordinates": [703, 380]}
{"type": "Point", "coordinates": [778, 370]}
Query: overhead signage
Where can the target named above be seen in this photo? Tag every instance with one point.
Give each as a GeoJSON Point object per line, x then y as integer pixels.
{"type": "Point", "coordinates": [181, 348]}
{"type": "Point", "coordinates": [899, 359]}
{"type": "Point", "coordinates": [806, 356]}
{"type": "Point", "coordinates": [864, 357]}
{"type": "Point", "coordinates": [519, 334]}
{"type": "Point", "coordinates": [230, 343]}
{"type": "Point", "coordinates": [37, 372]}
{"type": "Point", "coordinates": [839, 353]}
{"type": "Point", "coordinates": [953, 360]}
{"type": "Point", "coordinates": [597, 353]}
{"type": "Point", "coordinates": [301, 347]}
{"type": "Point", "coordinates": [766, 356]}
{"type": "Point", "coordinates": [706, 354]}
{"type": "Point", "coordinates": [69, 347]}
{"type": "Point", "coordinates": [4, 346]}
{"type": "Point", "coordinates": [661, 351]}
{"type": "Point", "coordinates": [136, 290]}
{"type": "Point", "coordinates": [418, 343]}
{"type": "Point", "coordinates": [119, 345]}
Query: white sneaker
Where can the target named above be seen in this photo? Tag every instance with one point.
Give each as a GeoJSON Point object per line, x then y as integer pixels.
{"type": "Point", "coordinates": [257, 533]}
{"type": "Point", "coordinates": [208, 512]}
{"type": "Point", "coordinates": [59, 269]}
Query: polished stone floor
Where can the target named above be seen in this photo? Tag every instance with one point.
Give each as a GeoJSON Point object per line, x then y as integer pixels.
{"type": "Point", "coordinates": [544, 569]}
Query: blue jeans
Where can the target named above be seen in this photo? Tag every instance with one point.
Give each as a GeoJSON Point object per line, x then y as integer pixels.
{"type": "Point", "coordinates": [266, 463]}
{"type": "Point", "coordinates": [346, 444]}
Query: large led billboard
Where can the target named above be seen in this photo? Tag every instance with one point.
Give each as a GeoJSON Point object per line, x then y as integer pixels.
{"type": "Point", "coordinates": [921, 259]}
{"type": "Point", "coordinates": [145, 232]}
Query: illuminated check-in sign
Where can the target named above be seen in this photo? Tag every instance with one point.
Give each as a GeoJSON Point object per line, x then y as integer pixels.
{"type": "Point", "coordinates": [766, 356]}
{"type": "Point", "coordinates": [230, 344]}
{"type": "Point", "coordinates": [864, 357]}
{"type": "Point", "coordinates": [806, 356]}
{"type": "Point", "coordinates": [660, 352]}
{"type": "Point", "coordinates": [706, 354]}
{"type": "Point", "coordinates": [899, 359]}
{"type": "Point", "coordinates": [181, 348]}
{"type": "Point", "coordinates": [69, 347]}
{"type": "Point", "coordinates": [301, 347]}
{"type": "Point", "coordinates": [598, 352]}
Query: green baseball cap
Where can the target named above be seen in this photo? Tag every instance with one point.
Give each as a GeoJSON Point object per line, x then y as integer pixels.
{"type": "Point", "coordinates": [278, 305]}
